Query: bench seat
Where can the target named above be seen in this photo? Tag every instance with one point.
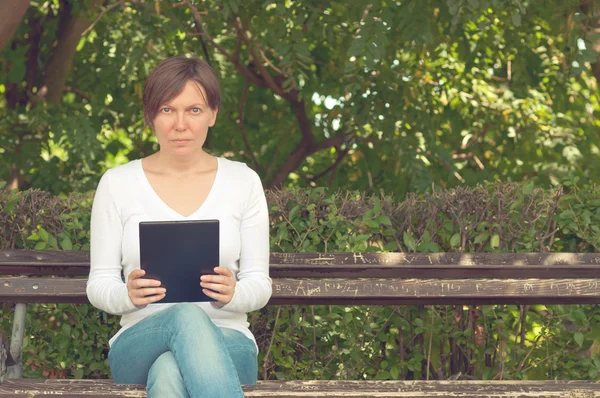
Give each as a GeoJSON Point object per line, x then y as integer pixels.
{"type": "Point", "coordinates": [28, 276]}
{"type": "Point", "coordinates": [30, 388]}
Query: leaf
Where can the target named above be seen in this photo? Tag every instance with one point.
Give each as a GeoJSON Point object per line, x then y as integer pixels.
{"type": "Point", "coordinates": [377, 206]}
{"type": "Point", "coordinates": [455, 240]}
{"type": "Point", "coordinates": [66, 244]}
{"type": "Point", "coordinates": [43, 234]}
{"type": "Point", "coordinates": [409, 241]}
{"type": "Point", "coordinates": [578, 336]}
{"type": "Point", "coordinates": [385, 220]}
{"type": "Point", "coordinates": [16, 74]}
{"type": "Point", "coordinates": [495, 242]}
{"type": "Point", "coordinates": [429, 247]}
{"type": "Point", "coordinates": [481, 237]}
{"type": "Point", "coordinates": [528, 188]}
{"type": "Point", "coordinates": [79, 373]}
{"type": "Point", "coordinates": [453, 7]}
{"type": "Point", "coordinates": [516, 19]}
{"type": "Point", "coordinates": [426, 237]}
{"type": "Point", "coordinates": [294, 212]}
{"type": "Point", "coordinates": [373, 224]}
{"type": "Point", "coordinates": [52, 242]}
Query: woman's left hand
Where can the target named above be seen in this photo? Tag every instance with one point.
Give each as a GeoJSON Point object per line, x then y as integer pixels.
{"type": "Point", "coordinates": [219, 287]}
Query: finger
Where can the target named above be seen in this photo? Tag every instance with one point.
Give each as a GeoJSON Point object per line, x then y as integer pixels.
{"type": "Point", "coordinates": [140, 293]}
{"type": "Point", "coordinates": [141, 283]}
{"type": "Point", "coordinates": [216, 287]}
{"type": "Point", "coordinates": [223, 298]}
{"type": "Point", "coordinates": [223, 271]}
{"type": "Point", "coordinates": [223, 280]}
{"type": "Point", "coordinates": [138, 273]}
{"type": "Point", "coordinates": [149, 299]}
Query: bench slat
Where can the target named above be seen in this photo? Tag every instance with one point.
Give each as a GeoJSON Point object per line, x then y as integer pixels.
{"type": "Point", "coordinates": [498, 389]}
{"type": "Point", "coordinates": [353, 291]}
{"type": "Point", "coordinates": [353, 265]}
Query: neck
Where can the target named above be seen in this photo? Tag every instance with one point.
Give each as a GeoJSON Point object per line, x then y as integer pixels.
{"type": "Point", "coordinates": [194, 161]}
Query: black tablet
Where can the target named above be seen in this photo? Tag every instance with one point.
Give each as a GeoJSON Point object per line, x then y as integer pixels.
{"type": "Point", "coordinates": [177, 253]}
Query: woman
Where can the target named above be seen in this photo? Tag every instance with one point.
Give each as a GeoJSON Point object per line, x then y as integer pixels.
{"type": "Point", "coordinates": [186, 349]}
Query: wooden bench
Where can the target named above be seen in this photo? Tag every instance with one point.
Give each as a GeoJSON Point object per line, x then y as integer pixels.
{"type": "Point", "coordinates": [333, 278]}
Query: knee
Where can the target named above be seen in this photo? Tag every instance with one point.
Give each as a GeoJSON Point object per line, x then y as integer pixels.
{"type": "Point", "coordinates": [188, 313]}
{"type": "Point", "coordinates": [164, 378]}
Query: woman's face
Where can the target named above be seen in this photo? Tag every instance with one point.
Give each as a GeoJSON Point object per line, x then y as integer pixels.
{"type": "Point", "coordinates": [181, 125]}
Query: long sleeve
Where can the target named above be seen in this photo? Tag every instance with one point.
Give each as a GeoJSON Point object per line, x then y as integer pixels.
{"type": "Point", "coordinates": [254, 287]}
{"type": "Point", "coordinates": [105, 288]}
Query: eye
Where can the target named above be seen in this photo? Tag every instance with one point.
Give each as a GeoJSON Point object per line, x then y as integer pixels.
{"type": "Point", "coordinates": [196, 110]}
{"type": "Point", "coordinates": [165, 110]}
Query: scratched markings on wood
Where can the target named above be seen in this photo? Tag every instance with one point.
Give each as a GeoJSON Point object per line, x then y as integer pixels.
{"type": "Point", "coordinates": [437, 287]}
{"type": "Point", "coordinates": [352, 265]}
{"type": "Point", "coordinates": [463, 259]}
{"type": "Point", "coordinates": [82, 258]}
{"type": "Point", "coordinates": [498, 389]}
{"type": "Point", "coordinates": [324, 291]}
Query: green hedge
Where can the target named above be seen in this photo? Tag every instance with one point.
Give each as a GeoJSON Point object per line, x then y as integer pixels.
{"type": "Point", "coordinates": [358, 342]}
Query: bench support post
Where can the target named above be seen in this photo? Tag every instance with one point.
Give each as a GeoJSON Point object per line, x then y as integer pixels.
{"type": "Point", "coordinates": [16, 342]}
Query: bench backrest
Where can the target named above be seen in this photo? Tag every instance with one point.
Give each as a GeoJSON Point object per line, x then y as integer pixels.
{"type": "Point", "coordinates": [351, 278]}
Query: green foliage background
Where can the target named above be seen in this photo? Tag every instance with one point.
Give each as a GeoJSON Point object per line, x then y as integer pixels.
{"type": "Point", "coordinates": [361, 95]}
{"type": "Point", "coordinates": [422, 100]}
{"type": "Point", "coordinates": [358, 342]}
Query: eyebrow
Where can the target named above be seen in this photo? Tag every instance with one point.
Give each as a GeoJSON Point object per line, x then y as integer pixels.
{"type": "Point", "coordinates": [188, 107]}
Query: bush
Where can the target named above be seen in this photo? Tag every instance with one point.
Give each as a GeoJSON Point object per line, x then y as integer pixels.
{"type": "Point", "coordinates": [358, 342]}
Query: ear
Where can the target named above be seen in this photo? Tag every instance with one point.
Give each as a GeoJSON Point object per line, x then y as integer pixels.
{"type": "Point", "coordinates": [213, 117]}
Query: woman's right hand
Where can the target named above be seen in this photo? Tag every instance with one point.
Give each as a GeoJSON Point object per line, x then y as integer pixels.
{"type": "Point", "coordinates": [143, 291]}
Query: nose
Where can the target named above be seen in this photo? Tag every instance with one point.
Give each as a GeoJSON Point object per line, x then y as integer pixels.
{"type": "Point", "coordinates": [180, 123]}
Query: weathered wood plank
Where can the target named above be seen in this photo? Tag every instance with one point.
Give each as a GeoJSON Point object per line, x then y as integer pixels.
{"type": "Point", "coordinates": [466, 259]}
{"type": "Point", "coordinates": [461, 389]}
{"type": "Point", "coordinates": [353, 265]}
{"type": "Point", "coordinates": [353, 291]}
{"type": "Point", "coordinates": [73, 257]}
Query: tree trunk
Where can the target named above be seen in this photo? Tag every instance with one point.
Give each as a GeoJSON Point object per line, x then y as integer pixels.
{"type": "Point", "coordinates": [56, 70]}
{"type": "Point", "coordinates": [11, 15]}
{"type": "Point", "coordinates": [59, 65]}
{"type": "Point", "coordinates": [593, 25]}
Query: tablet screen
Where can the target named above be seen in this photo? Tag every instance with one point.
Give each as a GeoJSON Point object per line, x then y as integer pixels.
{"type": "Point", "coordinates": [177, 253]}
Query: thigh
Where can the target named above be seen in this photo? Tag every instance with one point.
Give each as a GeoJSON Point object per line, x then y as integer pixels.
{"type": "Point", "coordinates": [182, 328]}
{"type": "Point", "coordinates": [242, 352]}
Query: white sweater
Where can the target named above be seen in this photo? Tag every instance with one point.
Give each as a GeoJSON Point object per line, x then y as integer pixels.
{"type": "Point", "coordinates": [124, 197]}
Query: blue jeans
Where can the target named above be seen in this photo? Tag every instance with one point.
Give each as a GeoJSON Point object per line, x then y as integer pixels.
{"type": "Point", "coordinates": [179, 352]}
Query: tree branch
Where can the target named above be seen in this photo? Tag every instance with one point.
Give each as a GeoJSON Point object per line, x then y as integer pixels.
{"type": "Point", "coordinates": [301, 151]}
{"type": "Point", "coordinates": [234, 60]}
{"type": "Point", "coordinates": [107, 9]}
{"type": "Point", "coordinates": [243, 129]}
{"type": "Point", "coordinates": [259, 63]}
{"type": "Point", "coordinates": [335, 141]}
{"type": "Point", "coordinates": [340, 156]}
{"type": "Point", "coordinates": [198, 19]}
{"type": "Point", "coordinates": [78, 92]}
{"type": "Point", "coordinates": [305, 124]}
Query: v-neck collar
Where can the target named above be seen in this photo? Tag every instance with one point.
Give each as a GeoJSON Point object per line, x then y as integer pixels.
{"type": "Point", "coordinates": [152, 193]}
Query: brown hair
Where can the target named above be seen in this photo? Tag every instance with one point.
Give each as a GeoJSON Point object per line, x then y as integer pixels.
{"type": "Point", "coordinates": [169, 78]}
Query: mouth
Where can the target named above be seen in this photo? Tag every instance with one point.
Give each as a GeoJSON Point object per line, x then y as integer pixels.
{"type": "Point", "coordinates": [180, 141]}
